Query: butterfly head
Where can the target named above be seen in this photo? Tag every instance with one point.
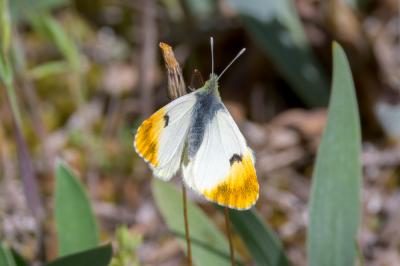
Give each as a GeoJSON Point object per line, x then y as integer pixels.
{"type": "Point", "coordinates": [212, 83]}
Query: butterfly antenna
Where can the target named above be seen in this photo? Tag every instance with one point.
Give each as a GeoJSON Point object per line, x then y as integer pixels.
{"type": "Point", "coordinates": [212, 54]}
{"type": "Point", "coordinates": [233, 60]}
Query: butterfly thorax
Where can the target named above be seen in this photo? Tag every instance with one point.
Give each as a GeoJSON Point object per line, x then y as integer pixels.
{"type": "Point", "coordinates": [208, 103]}
{"type": "Point", "coordinates": [212, 84]}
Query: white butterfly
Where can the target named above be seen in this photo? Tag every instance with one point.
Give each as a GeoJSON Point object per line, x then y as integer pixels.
{"type": "Point", "coordinates": [197, 134]}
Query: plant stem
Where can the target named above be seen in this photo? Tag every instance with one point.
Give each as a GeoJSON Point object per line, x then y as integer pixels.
{"type": "Point", "coordinates": [228, 231]}
{"type": "Point", "coordinates": [187, 233]}
{"type": "Point", "coordinates": [177, 88]}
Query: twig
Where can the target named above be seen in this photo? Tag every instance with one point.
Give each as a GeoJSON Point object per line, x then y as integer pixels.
{"type": "Point", "coordinates": [25, 164]}
{"type": "Point", "coordinates": [29, 91]}
{"type": "Point", "coordinates": [187, 233]}
{"type": "Point", "coordinates": [228, 231]}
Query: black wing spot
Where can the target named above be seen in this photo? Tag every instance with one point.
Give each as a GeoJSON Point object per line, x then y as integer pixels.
{"type": "Point", "coordinates": [166, 120]}
{"type": "Point", "coordinates": [235, 158]}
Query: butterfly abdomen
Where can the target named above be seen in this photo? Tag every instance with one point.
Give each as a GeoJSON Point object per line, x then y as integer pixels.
{"type": "Point", "coordinates": [204, 110]}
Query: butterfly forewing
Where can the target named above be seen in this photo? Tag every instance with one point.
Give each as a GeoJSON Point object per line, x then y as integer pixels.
{"type": "Point", "coordinates": [161, 138]}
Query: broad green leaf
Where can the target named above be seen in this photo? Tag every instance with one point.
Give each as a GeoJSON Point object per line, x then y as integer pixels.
{"type": "Point", "coordinates": [99, 256]}
{"type": "Point", "coordinates": [6, 258]}
{"type": "Point", "coordinates": [75, 223]}
{"type": "Point", "coordinates": [209, 246]}
{"type": "Point", "coordinates": [19, 260]}
{"type": "Point", "coordinates": [276, 27]}
{"type": "Point", "coordinates": [260, 240]}
{"type": "Point", "coordinates": [335, 198]}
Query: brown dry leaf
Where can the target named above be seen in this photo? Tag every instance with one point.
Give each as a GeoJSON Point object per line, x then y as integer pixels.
{"type": "Point", "coordinates": [309, 123]}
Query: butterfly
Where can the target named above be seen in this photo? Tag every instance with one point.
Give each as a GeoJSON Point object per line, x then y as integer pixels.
{"type": "Point", "coordinates": [196, 134]}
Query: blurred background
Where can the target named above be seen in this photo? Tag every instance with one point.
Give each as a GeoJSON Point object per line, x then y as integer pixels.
{"type": "Point", "coordinates": [88, 72]}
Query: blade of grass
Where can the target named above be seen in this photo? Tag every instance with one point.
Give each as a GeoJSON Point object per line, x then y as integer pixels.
{"type": "Point", "coordinates": [335, 198]}
{"type": "Point", "coordinates": [54, 30]}
{"type": "Point", "coordinates": [99, 256]}
{"type": "Point", "coordinates": [209, 247]}
{"type": "Point", "coordinates": [260, 240]}
{"type": "Point", "coordinates": [45, 24]}
{"type": "Point", "coordinates": [47, 69]}
{"type": "Point", "coordinates": [75, 223]}
{"type": "Point", "coordinates": [6, 27]}
{"type": "Point", "coordinates": [5, 67]}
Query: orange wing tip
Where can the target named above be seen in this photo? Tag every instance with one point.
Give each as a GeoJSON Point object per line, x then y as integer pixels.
{"type": "Point", "coordinates": [240, 189]}
{"type": "Point", "coordinates": [146, 141]}
{"type": "Point", "coordinates": [239, 207]}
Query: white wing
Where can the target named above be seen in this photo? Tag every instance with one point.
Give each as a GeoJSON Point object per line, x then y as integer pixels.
{"type": "Point", "coordinates": [161, 138]}
{"type": "Point", "coordinates": [223, 168]}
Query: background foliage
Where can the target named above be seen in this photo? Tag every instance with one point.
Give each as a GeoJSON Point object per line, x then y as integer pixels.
{"type": "Point", "coordinates": [77, 78]}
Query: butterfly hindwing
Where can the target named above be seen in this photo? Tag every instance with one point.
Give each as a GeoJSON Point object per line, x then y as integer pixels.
{"type": "Point", "coordinates": [161, 138]}
{"type": "Point", "coordinates": [222, 169]}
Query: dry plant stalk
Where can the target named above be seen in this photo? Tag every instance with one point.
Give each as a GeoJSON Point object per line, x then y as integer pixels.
{"type": "Point", "coordinates": [176, 89]}
{"type": "Point", "coordinates": [176, 83]}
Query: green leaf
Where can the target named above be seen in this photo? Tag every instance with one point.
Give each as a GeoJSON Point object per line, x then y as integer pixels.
{"type": "Point", "coordinates": [358, 5]}
{"type": "Point", "coordinates": [201, 9]}
{"type": "Point", "coordinates": [5, 27]}
{"type": "Point", "coordinates": [6, 74]}
{"type": "Point", "coordinates": [209, 246]}
{"type": "Point", "coordinates": [49, 68]}
{"type": "Point", "coordinates": [335, 198]}
{"type": "Point", "coordinates": [75, 223]}
{"type": "Point", "coordinates": [52, 29]}
{"type": "Point", "coordinates": [19, 260]}
{"type": "Point", "coordinates": [6, 258]}
{"type": "Point", "coordinates": [276, 26]}
{"type": "Point", "coordinates": [260, 240]}
{"type": "Point", "coordinates": [22, 8]}
{"type": "Point", "coordinates": [99, 256]}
